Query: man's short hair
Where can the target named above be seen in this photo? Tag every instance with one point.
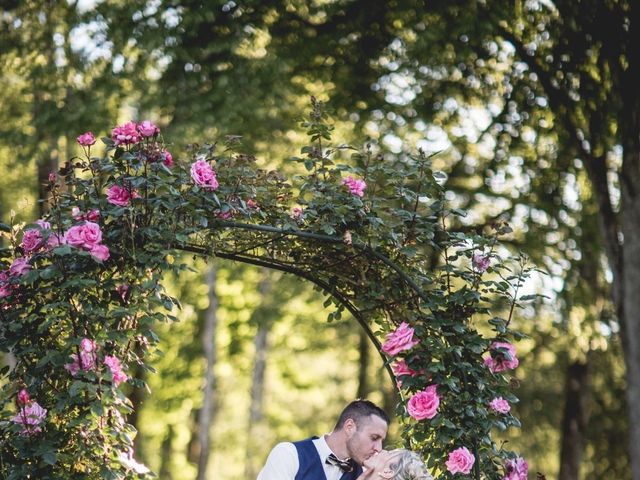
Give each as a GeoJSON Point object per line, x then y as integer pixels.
{"type": "Point", "coordinates": [359, 410]}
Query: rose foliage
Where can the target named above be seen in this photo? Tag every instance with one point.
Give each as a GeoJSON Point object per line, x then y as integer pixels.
{"type": "Point", "coordinates": [81, 290]}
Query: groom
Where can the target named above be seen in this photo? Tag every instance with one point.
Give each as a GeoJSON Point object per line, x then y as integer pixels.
{"type": "Point", "coordinates": [339, 455]}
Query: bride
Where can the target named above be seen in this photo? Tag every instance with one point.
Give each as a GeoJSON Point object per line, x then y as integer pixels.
{"type": "Point", "coordinates": [397, 464]}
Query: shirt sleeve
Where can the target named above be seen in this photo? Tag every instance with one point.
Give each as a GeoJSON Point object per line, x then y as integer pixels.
{"type": "Point", "coordinates": [282, 463]}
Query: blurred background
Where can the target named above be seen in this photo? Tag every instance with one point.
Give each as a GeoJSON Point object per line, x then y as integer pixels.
{"type": "Point", "coordinates": [514, 97]}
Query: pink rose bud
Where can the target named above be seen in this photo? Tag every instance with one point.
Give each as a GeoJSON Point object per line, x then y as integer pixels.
{"type": "Point", "coordinates": [86, 139]}
{"type": "Point", "coordinates": [53, 177]}
{"type": "Point", "coordinates": [93, 215]}
{"type": "Point", "coordinates": [76, 213]}
{"type": "Point", "coordinates": [167, 159]}
{"type": "Point", "coordinates": [23, 397]}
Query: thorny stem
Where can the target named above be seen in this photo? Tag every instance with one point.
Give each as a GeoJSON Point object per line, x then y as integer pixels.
{"type": "Point", "coordinates": [515, 293]}
{"type": "Point", "coordinates": [416, 203]}
{"type": "Point", "coordinates": [446, 257]}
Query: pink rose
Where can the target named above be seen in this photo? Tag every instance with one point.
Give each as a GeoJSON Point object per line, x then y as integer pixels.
{"type": "Point", "coordinates": [53, 177]}
{"type": "Point", "coordinates": [19, 267]}
{"type": "Point", "coordinates": [120, 196]}
{"type": "Point", "coordinates": [500, 405]}
{"type": "Point", "coordinates": [400, 368]}
{"type": "Point", "coordinates": [31, 241]}
{"type": "Point", "coordinates": [400, 340]}
{"type": "Point", "coordinates": [84, 236]}
{"type": "Point", "coordinates": [461, 460]}
{"type": "Point", "coordinates": [502, 357]}
{"type": "Point", "coordinates": [148, 129]}
{"type": "Point", "coordinates": [516, 469]}
{"type": "Point", "coordinates": [251, 203]}
{"type": "Point", "coordinates": [296, 213]}
{"type": "Point", "coordinates": [23, 397]}
{"type": "Point", "coordinates": [86, 139]}
{"type": "Point", "coordinates": [100, 252]}
{"type": "Point", "coordinates": [30, 417]}
{"type": "Point", "coordinates": [126, 134]}
{"type": "Point", "coordinates": [87, 359]}
{"type": "Point", "coordinates": [116, 370]}
{"type": "Point", "coordinates": [356, 187]}
{"type": "Point", "coordinates": [481, 262]}
{"type": "Point", "coordinates": [203, 175]}
{"type": "Point", "coordinates": [424, 404]}
{"type": "Point", "coordinates": [167, 158]}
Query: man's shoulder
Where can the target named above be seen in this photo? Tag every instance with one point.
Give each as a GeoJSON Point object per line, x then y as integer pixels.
{"type": "Point", "coordinates": [284, 449]}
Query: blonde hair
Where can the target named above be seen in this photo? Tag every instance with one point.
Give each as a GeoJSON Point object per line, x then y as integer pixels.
{"type": "Point", "coordinates": [407, 465]}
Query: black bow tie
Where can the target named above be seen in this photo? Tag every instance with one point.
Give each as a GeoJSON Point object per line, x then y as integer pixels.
{"type": "Point", "coordinates": [344, 465]}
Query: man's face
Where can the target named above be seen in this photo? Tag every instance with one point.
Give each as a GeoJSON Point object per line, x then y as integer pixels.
{"type": "Point", "coordinates": [365, 439]}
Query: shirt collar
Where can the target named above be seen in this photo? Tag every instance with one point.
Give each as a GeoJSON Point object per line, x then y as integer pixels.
{"type": "Point", "coordinates": [323, 448]}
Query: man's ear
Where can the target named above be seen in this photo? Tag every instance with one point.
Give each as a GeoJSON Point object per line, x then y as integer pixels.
{"type": "Point", "coordinates": [350, 426]}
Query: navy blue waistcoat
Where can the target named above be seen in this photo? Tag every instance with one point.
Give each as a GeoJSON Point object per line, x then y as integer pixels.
{"type": "Point", "coordinates": [311, 466]}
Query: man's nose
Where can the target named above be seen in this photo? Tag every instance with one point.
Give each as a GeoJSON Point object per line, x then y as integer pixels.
{"type": "Point", "coordinates": [377, 446]}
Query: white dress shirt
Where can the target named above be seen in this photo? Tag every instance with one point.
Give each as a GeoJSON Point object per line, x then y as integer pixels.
{"type": "Point", "coordinates": [282, 463]}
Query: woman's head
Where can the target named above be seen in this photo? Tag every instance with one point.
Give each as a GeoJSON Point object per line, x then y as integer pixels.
{"type": "Point", "coordinates": [398, 464]}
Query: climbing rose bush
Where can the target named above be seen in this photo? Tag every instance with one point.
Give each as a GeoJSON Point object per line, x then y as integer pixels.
{"type": "Point", "coordinates": [81, 290]}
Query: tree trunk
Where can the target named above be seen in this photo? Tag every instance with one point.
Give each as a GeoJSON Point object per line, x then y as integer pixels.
{"type": "Point", "coordinates": [261, 343]}
{"type": "Point", "coordinates": [575, 419]}
{"type": "Point", "coordinates": [629, 317]}
{"type": "Point", "coordinates": [136, 397]}
{"type": "Point", "coordinates": [165, 459]}
{"type": "Point", "coordinates": [628, 309]}
{"type": "Point", "coordinates": [363, 362]}
{"type": "Point", "coordinates": [206, 414]}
